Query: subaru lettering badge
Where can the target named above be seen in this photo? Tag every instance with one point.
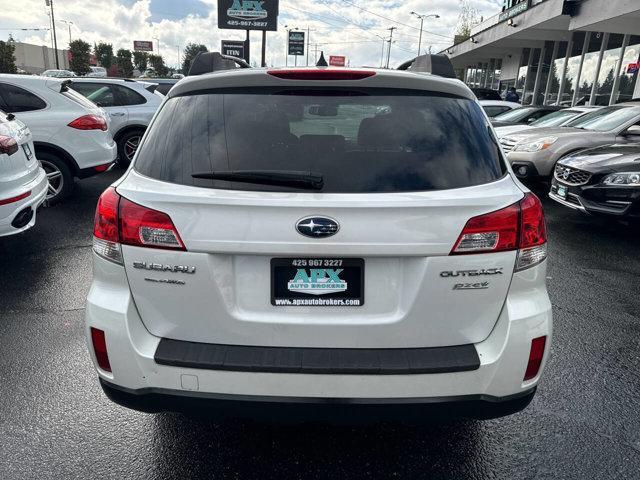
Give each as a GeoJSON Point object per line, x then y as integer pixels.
{"type": "Point", "coordinates": [317, 227]}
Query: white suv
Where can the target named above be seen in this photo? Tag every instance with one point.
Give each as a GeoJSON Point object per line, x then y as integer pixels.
{"type": "Point", "coordinates": [70, 134]}
{"type": "Point", "coordinates": [130, 104]}
{"type": "Point", "coordinates": [23, 183]}
{"type": "Point", "coordinates": [319, 236]}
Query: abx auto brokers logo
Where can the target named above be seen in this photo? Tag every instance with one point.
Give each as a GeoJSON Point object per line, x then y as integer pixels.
{"type": "Point", "coordinates": [247, 10]}
{"type": "Point", "coordinates": [320, 281]}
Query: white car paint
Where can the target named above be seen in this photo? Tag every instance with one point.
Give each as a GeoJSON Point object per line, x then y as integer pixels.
{"type": "Point", "coordinates": [506, 106]}
{"type": "Point", "coordinates": [543, 122]}
{"type": "Point", "coordinates": [404, 238]}
{"type": "Point", "coordinates": [20, 176]}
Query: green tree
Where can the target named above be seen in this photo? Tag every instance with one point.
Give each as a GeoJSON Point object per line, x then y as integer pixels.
{"type": "Point", "coordinates": [190, 52]}
{"type": "Point", "coordinates": [7, 57]}
{"type": "Point", "coordinates": [80, 53]}
{"type": "Point", "coordinates": [104, 54]}
{"type": "Point", "coordinates": [467, 18]}
{"type": "Point", "coordinates": [123, 61]}
{"type": "Point", "coordinates": [157, 63]}
{"type": "Point", "coordinates": [140, 60]}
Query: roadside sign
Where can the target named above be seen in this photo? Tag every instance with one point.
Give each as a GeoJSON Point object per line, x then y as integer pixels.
{"type": "Point", "coordinates": [633, 67]}
{"type": "Point", "coordinates": [296, 43]}
{"type": "Point", "coordinates": [142, 46]}
{"type": "Point", "coordinates": [248, 14]}
{"type": "Point", "coordinates": [337, 60]}
{"type": "Point", "coordinates": [234, 48]}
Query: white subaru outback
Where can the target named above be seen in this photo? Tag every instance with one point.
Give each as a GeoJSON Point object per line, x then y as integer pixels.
{"type": "Point", "coordinates": [320, 237]}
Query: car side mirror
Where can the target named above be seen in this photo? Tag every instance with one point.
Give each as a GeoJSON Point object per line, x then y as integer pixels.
{"type": "Point", "coordinates": [632, 131]}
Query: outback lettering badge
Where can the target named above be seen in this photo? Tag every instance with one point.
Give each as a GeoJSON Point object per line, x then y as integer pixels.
{"type": "Point", "coordinates": [471, 273]}
{"type": "Point", "coordinates": [159, 267]}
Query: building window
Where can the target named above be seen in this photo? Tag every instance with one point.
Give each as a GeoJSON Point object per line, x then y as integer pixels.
{"type": "Point", "coordinates": [629, 76]}
{"type": "Point", "coordinates": [522, 73]}
{"type": "Point", "coordinates": [573, 69]}
{"type": "Point", "coordinates": [589, 68]}
{"type": "Point", "coordinates": [532, 72]}
{"type": "Point", "coordinates": [608, 69]}
{"type": "Point", "coordinates": [557, 67]}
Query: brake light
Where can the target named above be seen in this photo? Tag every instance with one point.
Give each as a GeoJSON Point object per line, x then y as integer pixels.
{"type": "Point", "coordinates": [144, 227]}
{"type": "Point", "coordinates": [120, 221]}
{"type": "Point", "coordinates": [89, 122]}
{"type": "Point", "coordinates": [17, 198]}
{"type": "Point", "coordinates": [517, 227]}
{"type": "Point", "coordinates": [321, 74]}
{"type": "Point", "coordinates": [100, 349]}
{"type": "Point", "coordinates": [103, 168]}
{"type": "Point", "coordinates": [535, 357]}
{"type": "Point", "coordinates": [8, 145]}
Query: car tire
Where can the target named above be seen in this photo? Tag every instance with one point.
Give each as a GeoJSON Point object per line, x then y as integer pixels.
{"type": "Point", "coordinates": [59, 176]}
{"type": "Point", "coordinates": [127, 146]}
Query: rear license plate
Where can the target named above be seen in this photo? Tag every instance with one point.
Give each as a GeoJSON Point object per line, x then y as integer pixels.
{"type": "Point", "coordinates": [562, 191]}
{"type": "Point", "coordinates": [27, 151]}
{"type": "Point", "coordinates": [317, 282]}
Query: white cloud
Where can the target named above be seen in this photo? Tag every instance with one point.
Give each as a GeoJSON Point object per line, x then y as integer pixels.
{"type": "Point", "coordinates": [340, 27]}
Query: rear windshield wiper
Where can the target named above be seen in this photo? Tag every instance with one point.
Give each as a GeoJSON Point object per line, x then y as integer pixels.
{"type": "Point", "coordinates": [284, 178]}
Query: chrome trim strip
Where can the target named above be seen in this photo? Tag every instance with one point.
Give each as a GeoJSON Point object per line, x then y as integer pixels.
{"type": "Point", "coordinates": [561, 200]}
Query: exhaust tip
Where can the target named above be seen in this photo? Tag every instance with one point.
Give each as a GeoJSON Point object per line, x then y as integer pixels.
{"type": "Point", "coordinates": [23, 218]}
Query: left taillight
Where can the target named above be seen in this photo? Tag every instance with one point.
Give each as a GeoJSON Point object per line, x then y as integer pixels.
{"type": "Point", "coordinates": [8, 145]}
{"type": "Point", "coordinates": [518, 227]}
{"type": "Point", "coordinates": [89, 122]}
{"type": "Point", "coordinates": [120, 221]}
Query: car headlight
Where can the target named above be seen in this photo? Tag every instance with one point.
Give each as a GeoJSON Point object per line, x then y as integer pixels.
{"type": "Point", "coordinates": [623, 179]}
{"type": "Point", "coordinates": [536, 145]}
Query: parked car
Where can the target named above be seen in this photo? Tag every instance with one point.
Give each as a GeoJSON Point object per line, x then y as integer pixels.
{"type": "Point", "coordinates": [249, 255]}
{"type": "Point", "coordinates": [58, 73]}
{"type": "Point", "coordinates": [522, 116]}
{"type": "Point", "coordinates": [70, 134]}
{"type": "Point", "coordinates": [130, 105]}
{"type": "Point", "coordinates": [533, 154]}
{"type": "Point", "coordinates": [486, 94]}
{"type": "Point", "coordinates": [162, 85]}
{"type": "Point", "coordinates": [99, 72]}
{"type": "Point", "coordinates": [497, 107]}
{"type": "Point", "coordinates": [23, 182]}
{"type": "Point", "coordinates": [602, 180]}
{"type": "Point", "coordinates": [555, 119]}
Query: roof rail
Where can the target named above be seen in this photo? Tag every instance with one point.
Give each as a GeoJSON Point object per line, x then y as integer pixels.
{"type": "Point", "coordinates": [436, 64]}
{"type": "Point", "coordinates": [207, 62]}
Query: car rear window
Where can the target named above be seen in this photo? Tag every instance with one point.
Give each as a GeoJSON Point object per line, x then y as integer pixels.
{"type": "Point", "coordinates": [369, 140]}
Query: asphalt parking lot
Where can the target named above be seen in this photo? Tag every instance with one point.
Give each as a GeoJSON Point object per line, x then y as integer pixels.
{"type": "Point", "coordinates": [56, 423]}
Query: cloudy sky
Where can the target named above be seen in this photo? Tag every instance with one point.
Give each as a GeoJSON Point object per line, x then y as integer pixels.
{"type": "Point", "coordinates": [341, 27]}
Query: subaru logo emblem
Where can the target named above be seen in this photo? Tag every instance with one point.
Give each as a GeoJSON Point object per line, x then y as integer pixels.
{"type": "Point", "coordinates": [317, 227]}
{"type": "Point", "coordinates": [566, 174]}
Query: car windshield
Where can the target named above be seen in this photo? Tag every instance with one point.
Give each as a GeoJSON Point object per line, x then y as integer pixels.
{"type": "Point", "coordinates": [556, 118]}
{"type": "Point", "coordinates": [606, 119]}
{"type": "Point", "coordinates": [365, 140]}
{"type": "Point", "coordinates": [514, 115]}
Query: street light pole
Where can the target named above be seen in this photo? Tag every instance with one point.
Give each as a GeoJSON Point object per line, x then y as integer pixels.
{"type": "Point", "coordinates": [384, 40]}
{"type": "Point", "coordinates": [68, 24]}
{"type": "Point", "coordinates": [49, 3]}
{"type": "Point", "coordinates": [422, 17]}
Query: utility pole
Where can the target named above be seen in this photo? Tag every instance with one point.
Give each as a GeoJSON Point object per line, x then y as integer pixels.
{"type": "Point", "coordinates": [422, 17]}
{"type": "Point", "coordinates": [391, 29]}
{"type": "Point", "coordinates": [49, 3]}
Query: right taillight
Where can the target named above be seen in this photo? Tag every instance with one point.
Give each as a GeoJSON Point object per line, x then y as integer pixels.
{"type": "Point", "coordinates": [89, 122]}
{"type": "Point", "coordinates": [517, 227]}
{"type": "Point", "coordinates": [120, 221]}
{"type": "Point", "coordinates": [536, 354]}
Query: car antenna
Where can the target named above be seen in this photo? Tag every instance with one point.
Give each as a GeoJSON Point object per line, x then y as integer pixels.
{"type": "Point", "coordinates": [321, 61]}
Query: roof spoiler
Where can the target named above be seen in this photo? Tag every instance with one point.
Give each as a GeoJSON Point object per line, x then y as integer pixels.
{"type": "Point", "coordinates": [208, 62]}
{"type": "Point", "coordinates": [436, 64]}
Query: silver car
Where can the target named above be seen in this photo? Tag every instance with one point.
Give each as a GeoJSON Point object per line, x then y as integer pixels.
{"type": "Point", "coordinates": [534, 153]}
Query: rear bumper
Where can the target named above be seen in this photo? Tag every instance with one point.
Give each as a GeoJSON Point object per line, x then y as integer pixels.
{"type": "Point", "coordinates": [136, 373]}
{"type": "Point", "coordinates": [25, 208]}
{"type": "Point", "coordinates": [154, 400]}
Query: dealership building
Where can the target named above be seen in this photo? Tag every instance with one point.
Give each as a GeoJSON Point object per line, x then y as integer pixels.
{"type": "Point", "coordinates": [566, 52]}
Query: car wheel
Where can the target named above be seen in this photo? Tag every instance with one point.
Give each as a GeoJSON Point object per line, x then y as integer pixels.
{"type": "Point", "coordinates": [59, 176]}
{"type": "Point", "coordinates": [127, 146]}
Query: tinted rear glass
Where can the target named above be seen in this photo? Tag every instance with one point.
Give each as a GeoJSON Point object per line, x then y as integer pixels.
{"type": "Point", "coordinates": [359, 141]}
